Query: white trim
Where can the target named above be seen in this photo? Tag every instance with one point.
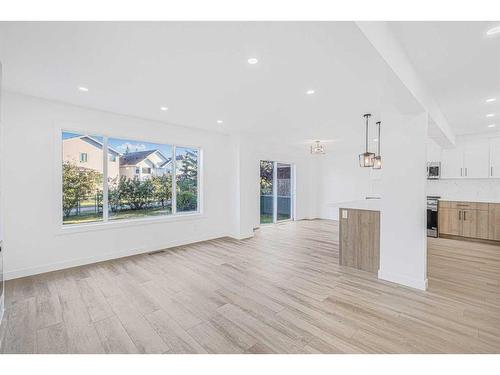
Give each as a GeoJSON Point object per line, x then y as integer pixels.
{"type": "Point", "coordinates": [403, 279]}
{"type": "Point", "coordinates": [2, 310]}
{"type": "Point", "coordinates": [105, 185]}
{"type": "Point", "coordinates": [103, 257]}
{"type": "Point", "coordinates": [116, 224]}
{"type": "Point", "coordinates": [275, 192]}
{"type": "Point", "coordinates": [174, 180]}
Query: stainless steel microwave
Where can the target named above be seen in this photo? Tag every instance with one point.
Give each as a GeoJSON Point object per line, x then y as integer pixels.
{"type": "Point", "coordinates": [433, 170]}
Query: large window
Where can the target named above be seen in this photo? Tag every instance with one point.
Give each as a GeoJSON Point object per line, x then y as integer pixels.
{"type": "Point", "coordinates": [135, 180]}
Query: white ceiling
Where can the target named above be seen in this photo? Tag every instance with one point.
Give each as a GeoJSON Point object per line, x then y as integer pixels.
{"type": "Point", "coordinates": [460, 65]}
{"type": "Point", "coordinates": [199, 70]}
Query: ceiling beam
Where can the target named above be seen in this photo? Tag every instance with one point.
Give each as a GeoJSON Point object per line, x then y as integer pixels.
{"type": "Point", "coordinates": [383, 40]}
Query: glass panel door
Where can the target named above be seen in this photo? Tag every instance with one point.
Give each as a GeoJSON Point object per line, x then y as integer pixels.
{"type": "Point", "coordinates": [276, 191]}
{"type": "Point", "coordinates": [266, 192]}
{"type": "Point", "coordinates": [284, 191]}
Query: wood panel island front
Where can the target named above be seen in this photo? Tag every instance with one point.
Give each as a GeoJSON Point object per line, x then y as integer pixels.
{"type": "Point", "coordinates": [359, 235]}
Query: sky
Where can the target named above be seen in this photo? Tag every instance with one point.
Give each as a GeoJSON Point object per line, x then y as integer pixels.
{"type": "Point", "coordinates": [120, 145]}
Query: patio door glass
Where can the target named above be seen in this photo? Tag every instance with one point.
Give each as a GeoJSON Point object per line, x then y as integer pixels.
{"type": "Point", "coordinates": [266, 192]}
{"type": "Point", "coordinates": [283, 191]}
{"type": "Point", "coordinates": [276, 192]}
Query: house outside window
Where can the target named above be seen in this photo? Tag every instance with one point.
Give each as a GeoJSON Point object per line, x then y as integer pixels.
{"type": "Point", "coordinates": [165, 182]}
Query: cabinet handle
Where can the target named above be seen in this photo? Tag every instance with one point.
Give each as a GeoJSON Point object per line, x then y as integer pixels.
{"type": "Point", "coordinates": [464, 215]}
{"type": "Point", "coordinates": [491, 171]}
{"type": "Point", "coordinates": [461, 172]}
{"type": "Point", "coordinates": [459, 215]}
{"type": "Point", "coordinates": [465, 172]}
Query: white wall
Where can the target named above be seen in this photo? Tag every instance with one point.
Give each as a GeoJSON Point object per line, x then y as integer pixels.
{"type": "Point", "coordinates": [33, 239]}
{"type": "Point", "coordinates": [403, 242]}
{"type": "Point", "coordinates": [34, 242]}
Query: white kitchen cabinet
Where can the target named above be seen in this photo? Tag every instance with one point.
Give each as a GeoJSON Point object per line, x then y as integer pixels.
{"type": "Point", "coordinates": [494, 157]}
{"type": "Point", "coordinates": [452, 162]}
{"type": "Point", "coordinates": [476, 159]}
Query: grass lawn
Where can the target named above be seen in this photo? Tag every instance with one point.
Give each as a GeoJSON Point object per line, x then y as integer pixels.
{"type": "Point", "coordinates": [122, 214]}
{"type": "Point", "coordinates": [266, 218]}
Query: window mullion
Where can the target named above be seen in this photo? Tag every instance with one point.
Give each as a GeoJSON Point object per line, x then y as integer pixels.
{"type": "Point", "coordinates": [174, 182]}
{"type": "Point", "coordinates": [105, 190]}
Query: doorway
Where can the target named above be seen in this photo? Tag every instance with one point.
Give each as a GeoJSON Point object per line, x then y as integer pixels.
{"type": "Point", "coordinates": [277, 187]}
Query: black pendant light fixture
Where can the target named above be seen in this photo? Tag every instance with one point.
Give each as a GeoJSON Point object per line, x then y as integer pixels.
{"type": "Point", "coordinates": [377, 160]}
{"type": "Point", "coordinates": [366, 159]}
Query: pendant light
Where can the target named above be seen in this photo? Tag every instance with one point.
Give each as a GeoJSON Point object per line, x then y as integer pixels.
{"type": "Point", "coordinates": [377, 160]}
{"type": "Point", "coordinates": [366, 159]}
{"type": "Point", "coordinates": [317, 148]}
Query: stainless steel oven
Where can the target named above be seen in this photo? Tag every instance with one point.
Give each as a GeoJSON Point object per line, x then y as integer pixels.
{"type": "Point", "coordinates": [434, 170]}
{"type": "Point", "coordinates": [432, 216]}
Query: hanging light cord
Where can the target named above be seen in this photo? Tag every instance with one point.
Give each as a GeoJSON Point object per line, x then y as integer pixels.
{"type": "Point", "coordinates": [378, 123]}
{"type": "Point", "coordinates": [367, 116]}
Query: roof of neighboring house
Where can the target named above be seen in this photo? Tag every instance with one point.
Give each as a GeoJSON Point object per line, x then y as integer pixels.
{"type": "Point", "coordinates": [133, 158]}
{"type": "Point", "coordinates": [94, 142]}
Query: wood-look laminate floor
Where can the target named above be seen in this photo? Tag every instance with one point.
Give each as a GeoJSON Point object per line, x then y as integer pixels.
{"type": "Point", "coordinates": [279, 292]}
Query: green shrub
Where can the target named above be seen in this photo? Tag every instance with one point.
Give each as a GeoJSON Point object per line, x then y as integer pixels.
{"type": "Point", "coordinates": [186, 201]}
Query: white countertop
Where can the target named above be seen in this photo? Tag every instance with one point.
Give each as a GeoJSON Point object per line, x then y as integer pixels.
{"type": "Point", "coordinates": [362, 204]}
{"type": "Point", "coordinates": [455, 199]}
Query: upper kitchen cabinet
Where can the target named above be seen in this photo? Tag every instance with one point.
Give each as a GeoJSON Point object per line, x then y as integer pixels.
{"type": "Point", "coordinates": [494, 157]}
{"type": "Point", "coordinates": [452, 161]}
{"type": "Point", "coordinates": [476, 159]}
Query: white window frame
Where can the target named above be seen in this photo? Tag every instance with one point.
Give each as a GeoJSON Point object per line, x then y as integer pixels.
{"type": "Point", "coordinates": [105, 222]}
{"type": "Point", "coordinates": [86, 157]}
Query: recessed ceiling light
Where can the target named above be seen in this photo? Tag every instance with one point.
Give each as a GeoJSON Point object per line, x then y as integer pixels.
{"type": "Point", "coordinates": [489, 100]}
{"type": "Point", "coordinates": [252, 61]}
{"type": "Point", "coordinates": [493, 31]}
{"type": "Point", "coordinates": [490, 115]}
{"type": "Point", "coordinates": [491, 126]}
{"type": "Point", "coordinates": [310, 92]}
{"type": "Point", "coordinates": [164, 108]}
{"type": "Point", "coordinates": [219, 121]}
{"type": "Point", "coordinates": [83, 88]}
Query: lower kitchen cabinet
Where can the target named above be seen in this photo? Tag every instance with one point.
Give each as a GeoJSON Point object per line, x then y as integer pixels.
{"type": "Point", "coordinates": [449, 221]}
{"type": "Point", "coordinates": [494, 222]}
{"type": "Point", "coordinates": [470, 219]}
{"type": "Point", "coordinates": [482, 229]}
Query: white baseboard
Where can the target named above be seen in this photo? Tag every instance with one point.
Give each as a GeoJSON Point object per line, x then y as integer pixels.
{"type": "Point", "coordinates": [2, 310]}
{"type": "Point", "coordinates": [403, 280]}
{"type": "Point", "coordinates": [241, 236]}
{"type": "Point", "coordinates": [15, 274]}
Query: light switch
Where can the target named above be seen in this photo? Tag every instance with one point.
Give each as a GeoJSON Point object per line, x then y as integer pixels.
{"type": "Point", "coordinates": [344, 214]}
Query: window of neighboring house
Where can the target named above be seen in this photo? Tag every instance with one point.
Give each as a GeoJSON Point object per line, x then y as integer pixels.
{"type": "Point", "coordinates": [187, 172]}
{"type": "Point", "coordinates": [82, 188]}
{"type": "Point", "coordinates": [130, 196]}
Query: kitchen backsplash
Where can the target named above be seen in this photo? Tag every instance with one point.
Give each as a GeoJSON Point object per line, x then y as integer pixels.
{"type": "Point", "coordinates": [465, 189]}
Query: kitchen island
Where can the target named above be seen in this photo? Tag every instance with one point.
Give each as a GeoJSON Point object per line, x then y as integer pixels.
{"type": "Point", "coordinates": [359, 234]}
